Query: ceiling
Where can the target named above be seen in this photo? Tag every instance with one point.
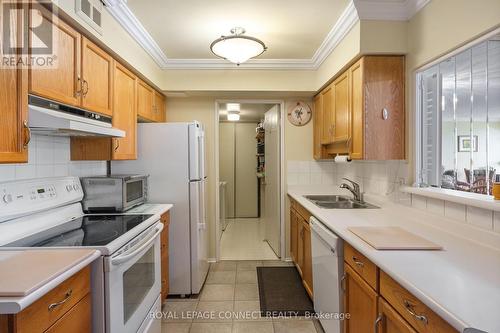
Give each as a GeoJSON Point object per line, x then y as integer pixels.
{"type": "Point", "coordinates": [249, 112]}
{"type": "Point", "coordinates": [292, 29]}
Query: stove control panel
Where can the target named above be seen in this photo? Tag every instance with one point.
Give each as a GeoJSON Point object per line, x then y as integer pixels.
{"type": "Point", "coordinates": [23, 197]}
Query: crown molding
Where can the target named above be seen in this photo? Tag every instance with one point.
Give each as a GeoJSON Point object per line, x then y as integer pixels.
{"type": "Point", "coordinates": [388, 10]}
{"type": "Point", "coordinates": [123, 15]}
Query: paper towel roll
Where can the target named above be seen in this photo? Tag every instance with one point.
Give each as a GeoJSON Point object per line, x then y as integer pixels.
{"type": "Point", "coordinates": [342, 159]}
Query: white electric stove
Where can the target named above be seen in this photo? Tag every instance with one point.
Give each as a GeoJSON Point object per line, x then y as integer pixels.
{"type": "Point", "coordinates": [126, 282]}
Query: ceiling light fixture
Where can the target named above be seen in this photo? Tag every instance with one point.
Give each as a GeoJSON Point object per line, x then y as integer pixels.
{"type": "Point", "coordinates": [237, 48]}
{"type": "Point", "coordinates": [233, 115]}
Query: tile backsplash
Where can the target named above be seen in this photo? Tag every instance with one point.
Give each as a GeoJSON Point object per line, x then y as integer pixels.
{"type": "Point", "coordinates": [375, 177]}
{"type": "Point", "coordinates": [49, 156]}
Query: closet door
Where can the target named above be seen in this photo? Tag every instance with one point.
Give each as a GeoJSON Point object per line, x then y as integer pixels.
{"type": "Point", "coordinates": [245, 171]}
{"type": "Point", "coordinates": [226, 164]}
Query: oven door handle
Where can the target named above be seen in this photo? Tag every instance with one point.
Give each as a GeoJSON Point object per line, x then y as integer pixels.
{"type": "Point", "coordinates": [126, 256]}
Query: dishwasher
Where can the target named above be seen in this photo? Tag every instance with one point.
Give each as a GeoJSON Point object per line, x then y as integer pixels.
{"type": "Point", "coordinates": [328, 268]}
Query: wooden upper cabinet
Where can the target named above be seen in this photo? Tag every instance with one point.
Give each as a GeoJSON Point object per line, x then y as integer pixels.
{"type": "Point", "coordinates": [318, 149]}
{"type": "Point", "coordinates": [364, 110]}
{"type": "Point", "coordinates": [384, 103]}
{"type": "Point", "coordinates": [145, 100]}
{"type": "Point", "coordinates": [125, 113]}
{"type": "Point", "coordinates": [328, 116]}
{"type": "Point", "coordinates": [14, 132]}
{"type": "Point", "coordinates": [340, 108]}
{"type": "Point", "coordinates": [360, 301]}
{"type": "Point", "coordinates": [389, 321]}
{"type": "Point", "coordinates": [61, 83]}
{"type": "Point", "coordinates": [357, 108]}
{"type": "Point", "coordinates": [97, 79]}
{"type": "Point", "coordinates": [159, 108]}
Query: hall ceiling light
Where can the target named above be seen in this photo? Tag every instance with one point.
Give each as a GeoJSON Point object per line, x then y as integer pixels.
{"type": "Point", "coordinates": [233, 115]}
{"type": "Point", "coordinates": [237, 48]}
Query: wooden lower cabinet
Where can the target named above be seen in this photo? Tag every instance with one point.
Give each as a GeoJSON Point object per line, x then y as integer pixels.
{"type": "Point", "coordinates": [377, 303]}
{"type": "Point", "coordinates": [360, 301]}
{"type": "Point", "coordinates": [77, 319]}
{"type": "Point", "coordinates": [389, 321]}
{"type": "Point", "coordinates": [300, 244]}
{"type": "Point", "coordinates": [307, 278]}
{"type": "Point", "coordinates": [165, 219]}
{"type": "Point", "coordinates": [67, 308]}
{"type": "Point", "coordinates": [294, 231]}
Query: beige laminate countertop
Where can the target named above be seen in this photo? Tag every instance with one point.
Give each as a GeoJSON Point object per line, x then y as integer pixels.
{"type": "Point", "coordinates": [461, 283]}
{"type": "Point", "coordinates": [59, 271]}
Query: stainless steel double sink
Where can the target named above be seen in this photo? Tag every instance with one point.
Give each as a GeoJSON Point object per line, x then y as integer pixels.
{"type": "Point", "coordinates": [337, 202]}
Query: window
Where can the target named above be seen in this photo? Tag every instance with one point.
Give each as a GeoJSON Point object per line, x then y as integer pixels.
{"type": "Point", "coordinates": [458, 110]}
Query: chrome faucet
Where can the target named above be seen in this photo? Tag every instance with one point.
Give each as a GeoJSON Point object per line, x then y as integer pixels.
{"type": "Point", "coordinates": [354, 189]}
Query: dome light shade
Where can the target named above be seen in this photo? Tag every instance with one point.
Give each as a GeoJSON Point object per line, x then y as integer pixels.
{"type": "Point", "coordinates": [237, 48]}
{"type": "Point", "coordinates": [233, 115]}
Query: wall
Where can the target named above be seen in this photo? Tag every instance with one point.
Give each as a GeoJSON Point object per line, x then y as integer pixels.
{"type": "Point", "coordinates": [50, 157]}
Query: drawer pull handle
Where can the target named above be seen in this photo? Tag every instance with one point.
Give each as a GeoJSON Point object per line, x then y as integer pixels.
{"type": "Point", "coordinates": [377, 321]}
{"type": "Point", "coordinates": [411, 310]}
{"type": "Point", "coordinates": [66, 298]}
{"type": "Point", "coordinates": [342, 282]}
{"type": "Point", "coordinates": [357, 262]}
{"type": "Point", "coordinates": [27, 129]}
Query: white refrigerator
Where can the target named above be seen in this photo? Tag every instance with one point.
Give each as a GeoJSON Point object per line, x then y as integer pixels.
{"type": "Point", "coordinates": [173, 155]}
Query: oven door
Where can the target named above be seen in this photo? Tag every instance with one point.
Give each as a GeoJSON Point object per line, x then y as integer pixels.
{"type": "Point", "coordinates": [133, 281]}
{"type": "Point", "coordinates": [134, 191]}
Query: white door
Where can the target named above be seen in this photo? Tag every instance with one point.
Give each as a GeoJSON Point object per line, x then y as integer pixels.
{"type": "Point", "coordinates": [246, 195]}
{"type": "Point", "coordinates": [271, 210]}
{"type": "Point", "coordinates": [199, 236]}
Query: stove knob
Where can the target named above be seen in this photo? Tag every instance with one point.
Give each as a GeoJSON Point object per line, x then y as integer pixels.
{"type": "Point", "coordinates": [69, 188]}
{"type": "Point", "coordinates": [7, 198]}
{"type": "Point", "coordinates": [75, 187]}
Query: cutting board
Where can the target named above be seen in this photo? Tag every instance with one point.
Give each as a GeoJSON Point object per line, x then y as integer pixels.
{"type": "Point", "coordinates": [393, 238]}
{"type": "Point", "coordinates": [22, 272]}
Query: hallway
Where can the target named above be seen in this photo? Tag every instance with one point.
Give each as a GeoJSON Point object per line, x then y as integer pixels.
{"type": "Point", "coordinates": [243, 240]}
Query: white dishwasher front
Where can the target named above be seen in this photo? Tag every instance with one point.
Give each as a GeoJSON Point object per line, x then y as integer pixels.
{"type": "Point", "coordinates": [328, 268]}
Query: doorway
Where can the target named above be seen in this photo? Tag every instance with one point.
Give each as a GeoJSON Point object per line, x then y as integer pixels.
{"type": "Point", "coordinates": [249, 224]}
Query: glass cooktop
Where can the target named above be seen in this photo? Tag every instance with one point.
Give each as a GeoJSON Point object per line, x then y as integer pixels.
{"type": "Point", "coordinates": [88, 230]}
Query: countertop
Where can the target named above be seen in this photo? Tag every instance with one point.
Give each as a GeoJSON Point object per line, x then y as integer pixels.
{"type": "Point", "coordinates": [460, 283]}
{"type": "Point", "coordinates": [150, 208]}
{"type": "Point", "coordinates": [9, 305]}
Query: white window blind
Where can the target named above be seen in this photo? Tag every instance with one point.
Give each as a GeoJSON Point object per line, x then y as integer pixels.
{"type": "Point", "coordinates": [458, 108]}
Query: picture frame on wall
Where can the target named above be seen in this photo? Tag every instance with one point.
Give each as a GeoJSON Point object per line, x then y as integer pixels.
{"type": "Point", "coordinates": [464, 143]}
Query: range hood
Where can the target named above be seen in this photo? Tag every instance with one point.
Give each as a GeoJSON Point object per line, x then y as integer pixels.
{"type": "Point", "coordinates": [47, 117]}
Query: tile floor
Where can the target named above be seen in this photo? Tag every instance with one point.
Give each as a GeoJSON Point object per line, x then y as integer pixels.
{"type": "Point", "coordinates": [231, 288]}
{"type": "Point", "coordinates": [243, 240]}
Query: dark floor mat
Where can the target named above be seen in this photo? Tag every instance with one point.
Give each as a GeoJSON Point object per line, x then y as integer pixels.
{"type": "Point", "coordinates": [282, 293]}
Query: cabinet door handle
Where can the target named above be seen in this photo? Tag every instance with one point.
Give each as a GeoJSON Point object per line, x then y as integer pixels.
{"type": "Point", "coordinates": [358, 262]}
{"type": "Point", "coordinates": [86, 87]}
{"type": "Point", "coordinates": [27, 129]}
{"type": "Point", "coordinates": [117, 145]}
{"type": "Point", "coordinates": [377, 321]}
{"type": "Point", "coordinates": [66, 298]}
{"type": "Point", "coordinates": [411, 310]}
{"type": "Point", "coordinates": [79, 87]}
